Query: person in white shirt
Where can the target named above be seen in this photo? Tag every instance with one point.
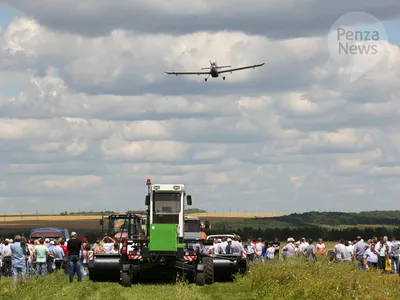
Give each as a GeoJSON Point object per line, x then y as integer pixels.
{"type": "Point", "coordinates": [289, 249]}
{"type": "Point", "coordinates": [270, 251]}
{"type": "Point", "coordinates": [303, 245]}
{"type": "Point", "coordinates": [222, 246]}
{"type": "Point", "coordinates": [108, 244]}
{"type": "Point", "coordinates": [258, 250]}
{"type": "Point", "coordinates": [351, 246]}
{"type": "Point", "coordinates": [340, 251]}
{"type": "Point", "coordinates": [6, 256]}
{"type": "Point", "coordinates": [383, 248]}
{"type": "Point", "coordinates": [29, 260]}
{"type": "Point", "coordinates": [216, 245]}
{"type": "Point", "coordinates": [296, 249]}
{"type": "Point", "coordinates": [348, 252]}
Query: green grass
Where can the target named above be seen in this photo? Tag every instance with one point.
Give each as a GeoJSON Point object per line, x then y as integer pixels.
{"type": "Point", "coordinates": [296, 279]}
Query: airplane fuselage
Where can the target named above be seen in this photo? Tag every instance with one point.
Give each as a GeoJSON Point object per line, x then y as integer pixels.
{"type": "Point", "coordinates": [214, 72]}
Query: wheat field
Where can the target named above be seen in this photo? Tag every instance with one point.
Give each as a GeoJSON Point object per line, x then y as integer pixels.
{"type": "Point", "coordinates": [13, 221]}
{"type": "Point", "coordinates": [13, 218]}
{"type": "Point", "coordinates": [237, 215]}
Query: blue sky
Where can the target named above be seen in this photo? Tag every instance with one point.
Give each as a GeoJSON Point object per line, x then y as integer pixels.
{"type": "Point", "coordinates": [6, 16]}
{"type": "Point", "coordinates": [392, 28]}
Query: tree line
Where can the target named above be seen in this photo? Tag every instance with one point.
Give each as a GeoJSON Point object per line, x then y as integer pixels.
{"type": "Point", "coordinates": [315, 232]}
{"type": "Point", "coordinates": [313, 218]}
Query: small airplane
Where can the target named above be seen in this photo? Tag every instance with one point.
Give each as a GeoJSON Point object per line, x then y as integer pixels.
{"type": "Point", "coordinates": [214, 70]}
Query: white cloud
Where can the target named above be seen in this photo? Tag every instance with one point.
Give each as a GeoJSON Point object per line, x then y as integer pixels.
{"type": "Point", "coordinates": [93, 117]}
{"type": "Point", "coordinates": [69, 183]}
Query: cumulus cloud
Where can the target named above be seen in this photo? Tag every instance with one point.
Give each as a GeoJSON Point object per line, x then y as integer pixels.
{"type": "Point", "coordinates": [87, 112]}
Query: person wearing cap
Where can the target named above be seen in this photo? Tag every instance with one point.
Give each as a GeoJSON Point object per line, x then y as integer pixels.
{"type": "Point", "coordinates": [58, 253]}
{"type": "Point", "coordinates": [50, 258]}
{"type": "Point", "coordinates": [289, 249]}
{"type": "Point", "coordinates": [74, 262]}
{"type": "Point", "coordinates": [222, 246]}
{"type": "Point", "coordinates": [216, 245]}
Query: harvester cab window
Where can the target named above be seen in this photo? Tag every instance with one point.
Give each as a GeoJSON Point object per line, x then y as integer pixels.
{"type": "Point", "coordinates": [125, 226]}
{"type": "Point", "coordinates": [116, 225]}
{"type": "Point", "coordinates": [166, 208]}
{"type": "Point", "coordinates": [192, 226]}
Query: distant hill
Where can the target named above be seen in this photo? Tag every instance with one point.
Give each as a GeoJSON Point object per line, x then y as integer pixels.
{"type": "Point", "coordinates": [318, 219]}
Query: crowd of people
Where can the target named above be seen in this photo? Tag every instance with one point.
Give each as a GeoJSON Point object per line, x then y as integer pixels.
{"type": "Point", "coordinates": [378, 253]}
{"type": "Point", "coordinates": [42, 256]}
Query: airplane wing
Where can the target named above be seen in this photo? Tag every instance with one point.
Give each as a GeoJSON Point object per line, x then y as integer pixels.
{"type": "Point", "coordinates": [188, 73]}
{"type": "Point", "coordinates": [241, 68]}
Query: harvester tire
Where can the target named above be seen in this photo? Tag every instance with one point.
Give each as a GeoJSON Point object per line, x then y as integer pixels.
{"type": "Point", "coordinates": [126, 279]}
{"type": "Point", "coordinates": [200, 279]}
{"type": "Point", "coordinates": [208, 270]}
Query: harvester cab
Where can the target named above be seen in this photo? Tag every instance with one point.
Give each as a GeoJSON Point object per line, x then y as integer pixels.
{"type": "Point", "coordinates": [127, 226]}
{"type": "Point", "coordinates": [121, 227]}
{"type": "Point", "coordinates": [166, 206]}
{"type": "Point", "coordinates": [194, 229]}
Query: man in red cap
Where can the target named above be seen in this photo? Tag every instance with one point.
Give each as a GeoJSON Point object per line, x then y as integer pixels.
{"type": "Point", "coordinates": [84, 243]}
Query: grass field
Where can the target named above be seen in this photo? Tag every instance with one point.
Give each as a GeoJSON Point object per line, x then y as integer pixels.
{"type": "Point", "coordinates": [295, 279]}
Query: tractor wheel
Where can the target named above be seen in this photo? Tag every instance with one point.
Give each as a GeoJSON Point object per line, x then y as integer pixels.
{"type": "Point", "coordinates": [200, 279]}
{"type": "Point", "coordinates": [126, 279]}
{"type": "Point", "coordinates": [208, 270]}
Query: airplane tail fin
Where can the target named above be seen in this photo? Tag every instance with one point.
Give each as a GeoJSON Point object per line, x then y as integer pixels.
{"type": "Point", "coordinates": [215, 66]}
{"type": "Point", "coordinates": [208, 68]}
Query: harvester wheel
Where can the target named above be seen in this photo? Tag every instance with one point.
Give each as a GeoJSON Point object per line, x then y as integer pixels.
{"type": "Point", "coordinates": [200, 279]}
{"type": "Point", "coordinates": [126, 279]}
{"type": "Point", "coordinates": [208, 270]}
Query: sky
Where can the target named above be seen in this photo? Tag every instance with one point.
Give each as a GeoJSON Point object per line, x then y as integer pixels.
{"type": "Point", "coordinates": [87, 113]}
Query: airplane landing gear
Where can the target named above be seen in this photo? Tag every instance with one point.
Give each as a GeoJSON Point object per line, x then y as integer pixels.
{"type": "Point", "coordinates": [223, 78]}
{"type": "Point", "coordinates": [205, 79]}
